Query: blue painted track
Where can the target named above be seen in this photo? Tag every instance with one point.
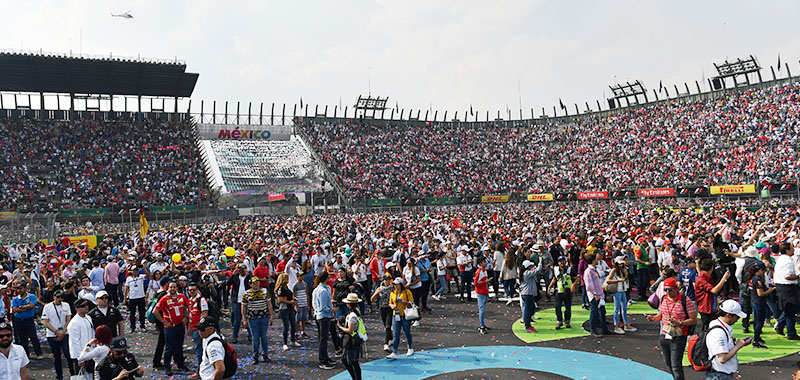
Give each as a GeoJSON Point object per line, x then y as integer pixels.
{"type": "Point", "coordinates": [577, 365]}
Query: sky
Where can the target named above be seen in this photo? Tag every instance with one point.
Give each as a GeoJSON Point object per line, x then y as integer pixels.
{"type": "Point", "coordinates": [422, 54]}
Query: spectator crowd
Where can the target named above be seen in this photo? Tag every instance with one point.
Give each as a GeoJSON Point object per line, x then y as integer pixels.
{"type": "Point", "coordinates": [319, 275]}
{"type": "Point", "coordinates": [97, 164]}
{"type": "Point", "coordinates": [734, 138]}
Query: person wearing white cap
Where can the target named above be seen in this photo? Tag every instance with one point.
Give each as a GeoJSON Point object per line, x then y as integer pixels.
{"type": "Point", "coordinates": [722, 349]}
{"type": "Point", "coordinates": [105, 314]}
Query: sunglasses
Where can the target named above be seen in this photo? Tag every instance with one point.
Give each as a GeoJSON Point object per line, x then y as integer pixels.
{"type": "Point", "coordinates": [102, 298]}
{"type": "Point", "coordinates": [3, 336]}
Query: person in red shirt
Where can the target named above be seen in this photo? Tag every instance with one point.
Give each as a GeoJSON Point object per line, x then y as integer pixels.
{"type": "Point", "coordinates": [480, 281]}
{"type": "Point", "coordinates": [198, 308]}
{"type": "Point", "coordinates": [706, 293]}
{"type": "Point", "coordinates": [262, 272]}
{"type": "Point", "coordinates": [172, 311]}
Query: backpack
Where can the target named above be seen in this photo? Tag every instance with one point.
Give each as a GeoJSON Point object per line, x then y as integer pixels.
{"type": "Point", "coordinates": [358, 337]}
{"type": "Point", "coordinates": [151, 307]}
{"type": "Point", "coordinates": [231, 362]}
{"type": "Point", "coordinates": [697, 350]}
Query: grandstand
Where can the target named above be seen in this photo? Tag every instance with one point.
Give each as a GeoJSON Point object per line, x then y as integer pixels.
{"type": "Point", "coordinates": [249, 169]}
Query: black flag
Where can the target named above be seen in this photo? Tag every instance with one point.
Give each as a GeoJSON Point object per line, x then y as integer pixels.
{"type": "Point", "coordinates": [563, 107]}
{"type": "Point", "coordinates": [301, 102]}
{"type": "Point", "coordinates": [470, 110]}
{"type": "Point", "coordinates": [779, 61]}
{"type": "Point", "coordinates": [660, 86]}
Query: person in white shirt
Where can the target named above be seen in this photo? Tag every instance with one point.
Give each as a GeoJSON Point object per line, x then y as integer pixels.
{"type": "Point", "coordinates": [722, 349]}
{"type": "Point", "coordinates": [55, 318]}
{"type": "Point", "coordinates": [786, 279]}
{"type": "Point", "coordinates": [80, 331]}
{"type": "Point", "coordinates": [13, 359]}
{"type": "Point", "coordinates": [159, 265]}
{"type": "Point", "coordinates": [135, 297]}
{"type": "Point", "coordinates": [212, 366]}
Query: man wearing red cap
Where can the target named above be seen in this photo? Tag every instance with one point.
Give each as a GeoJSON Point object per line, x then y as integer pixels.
{"type": "Point", "coordinates": [678, 316]}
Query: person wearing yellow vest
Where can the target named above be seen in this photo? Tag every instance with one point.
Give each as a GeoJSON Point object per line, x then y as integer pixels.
{"type": "Point", "coordinates": [399, 299]}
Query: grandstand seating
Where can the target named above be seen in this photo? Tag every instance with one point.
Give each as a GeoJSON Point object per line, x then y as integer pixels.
{"type": "Point", "coordinates": [738, 137]}
{"type": "Point", "coordinates": [261, 165]}
{"type": "Point", "coordinates": [48, 165]}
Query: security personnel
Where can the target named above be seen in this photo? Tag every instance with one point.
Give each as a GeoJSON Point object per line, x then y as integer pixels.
{"type": "Point", "coordinates": [105, 314]}
{"type": "Point", "coordinates": [119, 364]}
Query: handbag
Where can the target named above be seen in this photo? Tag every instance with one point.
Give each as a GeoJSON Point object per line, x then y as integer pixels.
{"type": "Point", "coordinates": [610, 287]}
{"type": "Point", "coordinates": [412, 312]}
{"type": "Point", "coordinates": [82, 375]}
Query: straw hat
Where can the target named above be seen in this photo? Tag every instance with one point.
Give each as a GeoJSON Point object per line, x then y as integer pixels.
{"type": "Point", "coordinates": [352, 298]}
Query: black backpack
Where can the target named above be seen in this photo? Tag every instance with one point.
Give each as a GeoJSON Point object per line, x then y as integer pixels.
{"type": "Point", "coordinates": [231, 362]}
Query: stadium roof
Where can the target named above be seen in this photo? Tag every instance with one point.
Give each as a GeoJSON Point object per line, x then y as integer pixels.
{"type": "Point", "coordinates": [22, 72]}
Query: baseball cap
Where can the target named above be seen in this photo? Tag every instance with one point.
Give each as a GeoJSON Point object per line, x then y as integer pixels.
{"type": "Point", "coordinates": [619, 260]}
{"type": "Point", "coordinates": [760, 244]}
{"type": "Point", "coordinates": [733, 307]}
{"type": "Point", "coordinates": [6, 326]}
{"type": "Point", "coordinates": [183, 278]}
{"type": "Point", "coordinates": [82, 302]}
{"type": "Point", "coordinates": [254, 279]}
{"type": "Point", "coordinates": [58, 293]}
{"type": "Point", "coordinates": [562, 258]}
{"type": "Point", "coordinates": [526, 263]}
{"type": "Point", "coordinates": [205, 322]}
{"type": "Point", "coordinates": [119, 343]}
{"type": "Point", "coordinates": [101, 294]}
{"type": "Point", "coordinates": [398, 281]}
{"type": "Point", "coordinates": [671, 283]}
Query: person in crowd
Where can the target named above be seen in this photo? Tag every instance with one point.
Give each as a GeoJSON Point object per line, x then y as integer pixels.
{"type": "Point", "coordinates": [617, 280]}
{"type": "Point", "coordinates": [322, 304]}
{"type": "Point", "coordinates": [80, 331]}
{"type": "Point", "coordinates": [482, 290]}
{"type": "Point", "coordinates": [678, 316]}
{"type": "Point", "coordinates": [464, 262]}
{"type": "Point", "coordinates": [96, 349]}
{"type": "Point", "coordinates": [172, 312]}
{"type": "Point", "coordinates": [238, 283]}
{"type": "Point", "coordinates": [399, 299]}
{"type": "Point", "coordinates": [120, 364]}
{"type": "Point", "coordinates": [257, 309]}
{"type": "Point", "coordinates": [287, 309]}
{"type": "Point", "coordinates": [528, 290]}
{"type": "Point", "coordinates": [757, 288]}
{"type": "Point", "coordinates": [413, 281]}
{"type": "Point", "coordinates": [300, 291]}
{"type": "Point", "coordinates": [441, 277]}
{"type": "Point", "coordinates": [642, 267]}
{"type": "Point", "coordinates": [198, 308]}
{"type": "Point", "coordinates": [564, 281]}
{"type": "Point", "coordinates": [14, 362]}
{"type": "Point", "coordinates": [508, 273]}
{"type": "Point", "coordinates": [353, 330]}
{"type": "Point", "coordinates": [23, 306]}
{"type": "Point", "coordinates": [706, 293]}
{"type": "Point", "coordinates": [213, 365]}
{"type": "Point", "coordinates": [381, 298]}
{"type": "Point", "coordinates": [722, 348]}
{"type": "Point", "coordinates": [786, 283]}
{"type": "Point", "coordinates": [161, 342]}
{"type": "Point", "coordinates": [134, 297]}
{"type": "Point", "coordinates": [594, 290]}
{"type": "Point", "coordinates": [107, 315]}
{"type": "Point", "coordinates": [55, 318]}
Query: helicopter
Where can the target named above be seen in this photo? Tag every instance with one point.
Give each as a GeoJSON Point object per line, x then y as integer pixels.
{"type": "Point", "coordinates": [127, 14]}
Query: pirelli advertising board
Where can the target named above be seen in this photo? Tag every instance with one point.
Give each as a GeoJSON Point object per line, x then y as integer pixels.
{"type": "Point", "coordinates": [540, 197]}
{"type": "Point", "coordinates": [733, 189]}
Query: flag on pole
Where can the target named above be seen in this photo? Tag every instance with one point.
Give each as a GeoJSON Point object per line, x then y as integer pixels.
{"type": "Point", "coordinates": [779, 61]}
{"type": "Point", "coordinates": [144, 228]}
{"type": "Point", "coordinates": [563, 107]}
{"type": "Point", "coordinates": [301, 102]}
{"type": "Point", "coordinates": [660, 86]}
